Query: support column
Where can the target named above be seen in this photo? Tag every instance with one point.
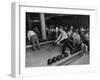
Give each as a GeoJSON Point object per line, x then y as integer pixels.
{"type": "Point", "coordinates": [43, 27]}
{"type": "Point", "coordinates": [29, 22]}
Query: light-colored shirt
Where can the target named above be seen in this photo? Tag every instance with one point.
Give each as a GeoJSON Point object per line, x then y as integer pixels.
{"type": "Point", "coordinates": [30, 34]}
{"type": "Point", "coordinates": [70, 33]}
{"type": "Point", "coordinates": [76, 37]}
{"type": "Point", "coordinates": [56, 29]}
{"type": "Point", "coordinates": [87, 36]}
{"type": "Point", "coordinates": [62, 36]}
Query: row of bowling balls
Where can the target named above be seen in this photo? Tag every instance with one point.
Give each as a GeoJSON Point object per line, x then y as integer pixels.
{"type": "Point", "coordinates": [57, 58]}
{"type": "Point", "coordinates": [76, 50]}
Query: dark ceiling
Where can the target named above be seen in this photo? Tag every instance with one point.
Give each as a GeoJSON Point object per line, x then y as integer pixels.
{"type": "Point", "coordinates": [61, 18]}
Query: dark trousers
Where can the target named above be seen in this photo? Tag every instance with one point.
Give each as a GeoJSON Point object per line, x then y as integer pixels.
{"type": "Point", "coordinates": [87, 43]}
{"type": "Point", "coordinates": [67, 44]}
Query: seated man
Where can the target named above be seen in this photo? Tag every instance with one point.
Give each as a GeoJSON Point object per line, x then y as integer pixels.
{"type": "Point", "coordinates": [32, 37]}
{"type": "Point", "coordinates": [85, 37]}
{"type": "Point", "coordinates": [70, 32]}
{"type": "Point", "coordinates": [76, 38]}
{"type": "Point", "coordinates": [73, 42]}
{"type": "Point", "coordinates": [63, 38]}
{"type": "Point", "coordinates": [86, 40]}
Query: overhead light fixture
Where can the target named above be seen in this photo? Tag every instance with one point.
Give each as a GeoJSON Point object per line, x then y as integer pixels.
{"type": "Point", "coordinates": [35, 20]}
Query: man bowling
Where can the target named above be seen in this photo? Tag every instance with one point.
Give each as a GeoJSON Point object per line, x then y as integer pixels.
{"type": "Point", "coordinates": [32, 37]}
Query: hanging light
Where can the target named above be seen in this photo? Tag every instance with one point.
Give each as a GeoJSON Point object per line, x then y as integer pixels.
{"type": "Point", "coordinates": [36, 21]}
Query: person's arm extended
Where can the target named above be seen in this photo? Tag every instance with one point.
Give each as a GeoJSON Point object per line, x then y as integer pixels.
{"type": "Point", "coordinates": [58, 39]}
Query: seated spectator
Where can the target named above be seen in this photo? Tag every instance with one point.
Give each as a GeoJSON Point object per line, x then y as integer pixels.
{"type": "Point", "coordinates": [85, 38]}
{"type": "Point", "coordinates": [76, 38]}
{"type": "Point", "coordinates": [70, 32]}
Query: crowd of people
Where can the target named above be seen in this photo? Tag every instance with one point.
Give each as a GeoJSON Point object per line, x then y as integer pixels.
{"type": "Point", "coordinates": [72, 37]}
{"type": "Point", "coordinates": [68, 36]}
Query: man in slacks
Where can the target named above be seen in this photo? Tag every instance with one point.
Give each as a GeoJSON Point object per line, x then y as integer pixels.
{"type": "Point", "coordinates": [32, 36]}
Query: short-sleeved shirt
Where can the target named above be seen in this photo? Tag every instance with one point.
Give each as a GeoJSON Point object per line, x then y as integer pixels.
{"type": "Point", "coordinates": [30, 34]}
{"type": "Point", "coordinates": [63, 35]}
{"type": "Point", "coordinates": [70, 33]}
{"type": "Point", "coordinates": [76, 37]}
{"type": "Point", "coordinates": [86, 36]}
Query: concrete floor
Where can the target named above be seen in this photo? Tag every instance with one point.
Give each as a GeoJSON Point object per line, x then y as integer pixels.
{"type": "Point", "coordinates": [39, 57]}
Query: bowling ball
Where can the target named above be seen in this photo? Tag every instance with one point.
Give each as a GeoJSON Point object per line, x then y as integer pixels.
{"type": "Point", "coordinates": [54, 59]}
{"type": "Point", "coordinates": [66, 54]}
{"type": "Point", "coordinates": [62, 56]}
{"type": "Point", "coordinates": [74, 51]}
{"type": "Point", "coordinates": [49, 61]}
{"type": "Point", "coordinates": [58, 57]}
{"type": "Point", "coordinates": [80, 49]}
{"type": "Point", "coordinates": [77, 50]}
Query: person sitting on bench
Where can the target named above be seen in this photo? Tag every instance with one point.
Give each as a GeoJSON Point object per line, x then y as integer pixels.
{"type": "Point", "coordinates": [85, 37]}
{"type": "Point", "coordinates": [76, 38]}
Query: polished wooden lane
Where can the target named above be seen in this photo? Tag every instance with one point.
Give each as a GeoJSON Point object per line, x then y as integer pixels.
{"type": "Point", "coordinates": [39, 57]}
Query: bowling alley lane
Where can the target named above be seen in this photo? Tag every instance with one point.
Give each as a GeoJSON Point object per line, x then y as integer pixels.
{"type": "Point", "coordinates": [82, 60]}
{"type": "Point", "coordinates": [39, 58]}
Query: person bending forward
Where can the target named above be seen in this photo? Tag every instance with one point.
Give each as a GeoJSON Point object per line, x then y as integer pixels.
{"type": "Point", "coordinates": [32, 36]}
